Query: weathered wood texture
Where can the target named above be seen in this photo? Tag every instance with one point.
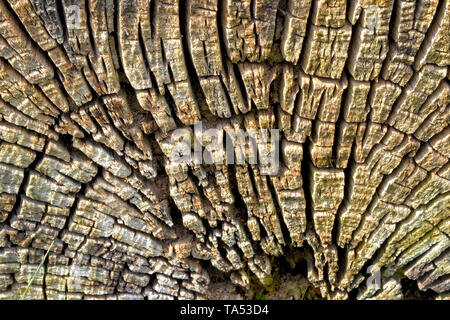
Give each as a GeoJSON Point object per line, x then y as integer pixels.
{"type": "Point", "coordinates": [90, 91]}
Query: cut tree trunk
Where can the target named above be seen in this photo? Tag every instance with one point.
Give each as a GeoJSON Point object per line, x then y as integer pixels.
{"type": "Point", "coordinates": [94, 94]}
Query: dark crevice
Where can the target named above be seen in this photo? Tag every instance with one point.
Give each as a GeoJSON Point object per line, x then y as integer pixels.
{"type": "Point", "coordinates": [173, 107]}
{"type": "Point", "coordinates": [92, 39]}
{"type": "Point", "coordinates": [228, 98]}
{"type": "Point", "coordinates": [276, 55]}
{"type": "Point", "coordinates": [284, 229]}
{"type": "Point", "coordinates": [143, 55]}
{"type": "Point", "coordinates": [21, 193]}
{"type": "Point", "coordinates": [240, 82]}
{"type": "Point", "coordinates": [120, 70]}
{"type": "Point", "coordinates": [353, 294]}
{"type": "Point", "coordinates": [347, 178]}
{"type": "Point", "coordinates": [252, 177]}
{"type": "Point", "coordinates": [238, 201]}
{"type": "Point", "coordinates": [62, 17]}
{"type": "Point", "coordinates": [297, 103]}
{"type": "Point", "coordinates": [153, 19]}
{"type": "Point", "coordinates": [411, 291]}
{"type": "Point", "coordinates": [308, 34]}
{"type": "Point", "coordinates": [165, 61]}
{"type": "Point", "coordinates": [220, 35]}
{"type": "Point", "coordinates": [392, 44]}
{"type": "Point", "coordinates": [97, 82]}
{"type": "Point", "coordinates": [305, 171]}
{"type": "Point", "coordinates": [340, 121]}
{"type": "Point", "coordinates": [192, 73]}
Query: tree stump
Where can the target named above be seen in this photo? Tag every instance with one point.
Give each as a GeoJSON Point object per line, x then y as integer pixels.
{"type": "Point", "coordinates": [120, 143]}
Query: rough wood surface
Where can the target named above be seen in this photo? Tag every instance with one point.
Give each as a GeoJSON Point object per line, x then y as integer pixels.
{"type": "Point", "coordinates": [90, 92]}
